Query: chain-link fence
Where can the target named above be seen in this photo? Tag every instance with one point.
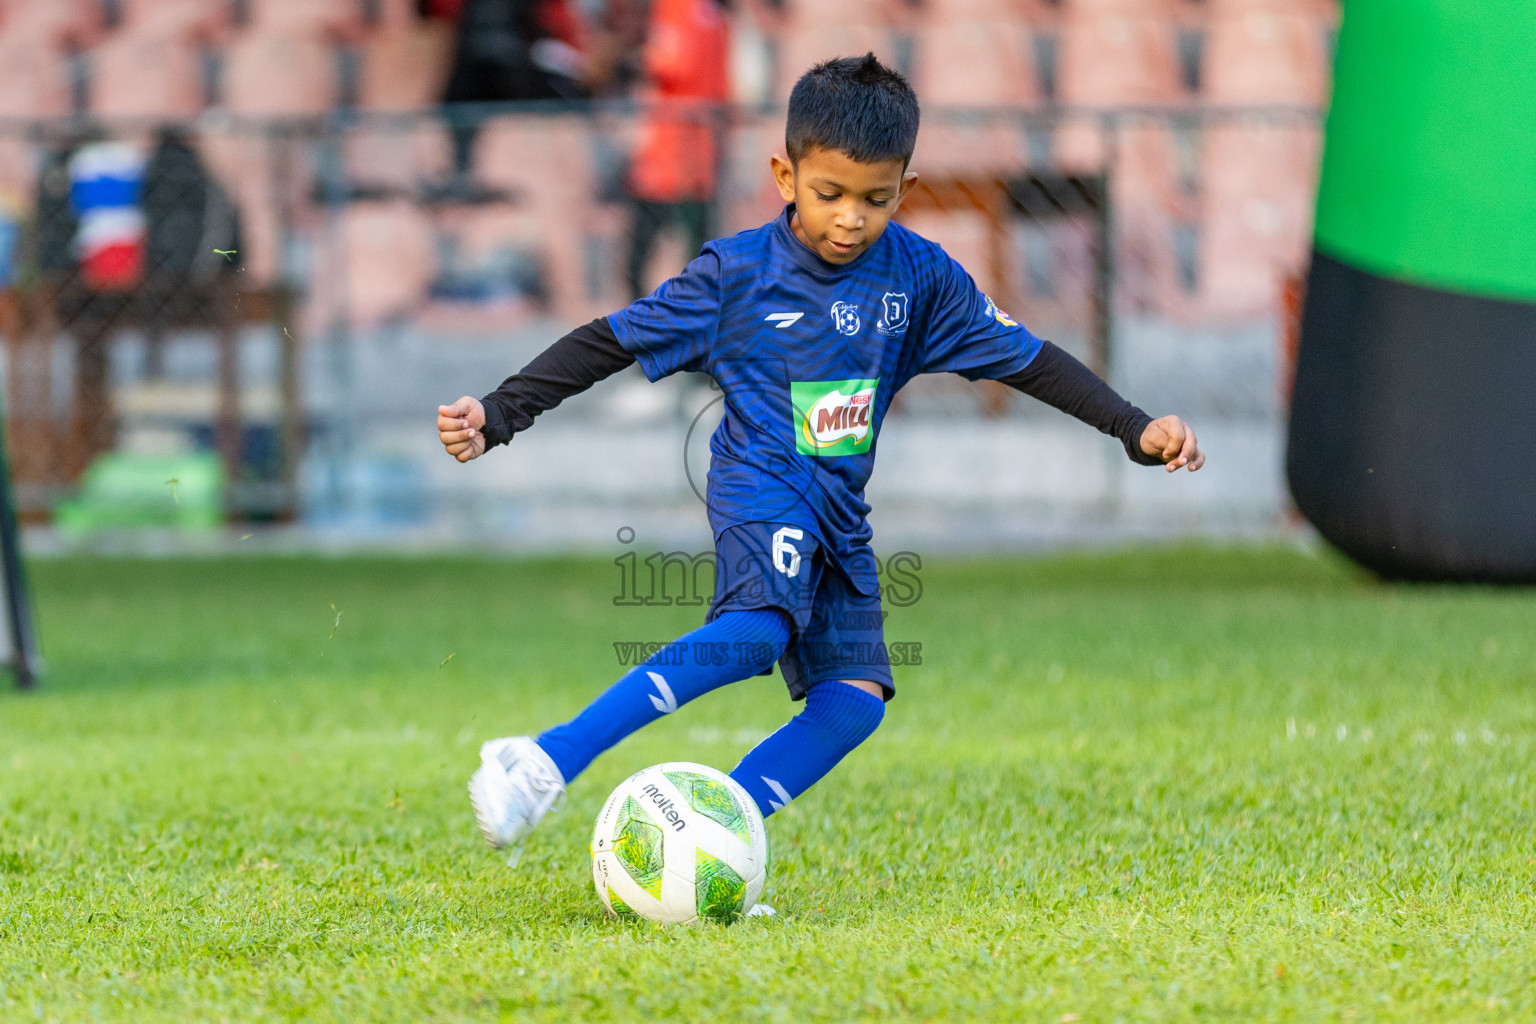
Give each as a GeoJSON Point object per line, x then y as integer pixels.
{"type": "Point", "coordinates": [288, 301]}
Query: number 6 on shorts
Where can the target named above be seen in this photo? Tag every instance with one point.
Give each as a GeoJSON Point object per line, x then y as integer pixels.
{"type": "Point", "coordinates": [786, 558]}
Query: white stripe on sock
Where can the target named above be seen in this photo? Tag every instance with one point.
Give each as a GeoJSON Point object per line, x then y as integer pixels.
{"type": "Point", "coordinates": [667, 702]}
{"type": "Point", "coordinates": [778, 791]}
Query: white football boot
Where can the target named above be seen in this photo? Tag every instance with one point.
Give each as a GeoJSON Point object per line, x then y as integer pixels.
{"type": "Point", "coordinates": [512, 790]}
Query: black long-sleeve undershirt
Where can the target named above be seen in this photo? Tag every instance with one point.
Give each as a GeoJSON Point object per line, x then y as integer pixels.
{"type": "Point", "coordinates": [1060, 381]}
{"type": "Point", "coordinates": [592, 352]}
{"type": "Point", "coordinates": [568, 367]}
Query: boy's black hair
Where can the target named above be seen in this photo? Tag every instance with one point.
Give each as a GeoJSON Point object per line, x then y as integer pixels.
{"type": "Point", "coordinates": [852, 105]}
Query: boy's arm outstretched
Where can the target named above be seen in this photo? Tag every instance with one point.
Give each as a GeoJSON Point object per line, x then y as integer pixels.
{"type": "Point", "coordinates": [669, 330]}
{"type": "Point", "coordinates": [1059, 380]}
{"type": "Point", "coordinates": [972, 337]}
{"type": "Point", "coordinates": [588, 354]}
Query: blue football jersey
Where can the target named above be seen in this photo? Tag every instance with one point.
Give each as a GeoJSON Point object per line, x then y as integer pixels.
{"type": "Point", "coordinates": [808, 355]}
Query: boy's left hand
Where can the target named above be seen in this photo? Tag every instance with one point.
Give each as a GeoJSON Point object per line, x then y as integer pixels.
{"type": "Point", "coordinates": [1171, 440]}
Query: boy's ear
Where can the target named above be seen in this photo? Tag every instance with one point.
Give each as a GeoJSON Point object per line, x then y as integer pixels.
{"type": "Point", "coordinates": [783, 176]}
{"type": "Point", "coordinates": [908, 179]}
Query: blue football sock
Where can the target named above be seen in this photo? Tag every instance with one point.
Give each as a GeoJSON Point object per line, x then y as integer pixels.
{"type": "Point", "coordinates": [837, 718]}
{"type": "Point", "coordinates": [733, 647]}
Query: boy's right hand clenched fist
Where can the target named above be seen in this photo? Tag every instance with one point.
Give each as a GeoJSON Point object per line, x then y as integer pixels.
{"type": "Point", "coordinates": [459, 425]}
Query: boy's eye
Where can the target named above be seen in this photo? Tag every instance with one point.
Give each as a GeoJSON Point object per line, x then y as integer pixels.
{"type": "Point", "coordinates": [878, 202]}
{"type": "Point", "coordinates": [824, 197]}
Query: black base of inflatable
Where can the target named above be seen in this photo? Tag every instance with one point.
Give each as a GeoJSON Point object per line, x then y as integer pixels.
{"type": "Point", "coordinates": [1413, 427]}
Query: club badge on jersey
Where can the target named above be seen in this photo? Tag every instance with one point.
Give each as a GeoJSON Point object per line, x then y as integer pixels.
{"type": "Point", "coordinates": [893, 314]}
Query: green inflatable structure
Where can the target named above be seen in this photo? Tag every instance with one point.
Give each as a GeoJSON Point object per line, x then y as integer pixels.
{"type": "Point", "coordinates": [1412, 442]}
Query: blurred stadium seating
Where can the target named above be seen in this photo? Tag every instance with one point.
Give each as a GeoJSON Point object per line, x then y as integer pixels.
{"type": "Point", "coordinates": [318, 119]}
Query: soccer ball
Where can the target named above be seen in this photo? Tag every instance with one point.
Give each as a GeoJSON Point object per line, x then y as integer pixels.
{"type": "Point", "coordinates": [677, 843]}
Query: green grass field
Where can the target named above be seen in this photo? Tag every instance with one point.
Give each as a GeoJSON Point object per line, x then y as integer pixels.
{"type": "Point", "coordinates": [1164, 786]}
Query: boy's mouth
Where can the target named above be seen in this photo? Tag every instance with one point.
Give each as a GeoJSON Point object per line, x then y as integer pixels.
{"type": "Point", "coordinates": [840, 248]}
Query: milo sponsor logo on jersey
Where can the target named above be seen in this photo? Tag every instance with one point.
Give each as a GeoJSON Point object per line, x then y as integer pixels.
{"type": "Point", "coordinates": [834, 417]}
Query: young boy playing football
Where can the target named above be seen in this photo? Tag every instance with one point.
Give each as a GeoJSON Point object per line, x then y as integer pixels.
{"type": "Point", "coordinates": [810, 324]}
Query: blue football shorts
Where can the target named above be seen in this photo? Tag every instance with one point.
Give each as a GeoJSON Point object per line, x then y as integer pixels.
{"type": "Point", "coordinates": [839, 633]}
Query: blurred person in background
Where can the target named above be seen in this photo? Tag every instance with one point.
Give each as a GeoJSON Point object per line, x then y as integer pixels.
{"type": "Point", "coordinates": [616, 46]}
{"type": "Point", "coordinates": [676, 165]}
{"type": "Point", "coordinates": [192, 238]}
{"type": "Point", "coordinates": [506, 51]}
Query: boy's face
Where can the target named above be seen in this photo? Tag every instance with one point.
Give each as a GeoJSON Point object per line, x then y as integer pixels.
{"type": "Point", "coordinates": [841, 205]}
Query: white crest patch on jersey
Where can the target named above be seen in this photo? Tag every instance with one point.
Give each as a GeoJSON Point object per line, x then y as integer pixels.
{"type": "Point", "coordinates": [845, 317]}
{"type": "Point", "coordinates": [894, 307]}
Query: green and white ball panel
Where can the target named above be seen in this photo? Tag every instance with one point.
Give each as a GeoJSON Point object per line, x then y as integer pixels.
{"type": "Point", "coordinates": [712, 799]}
{"type": "Point", "coordinates": [637, 846]}
{"type": "Point", "coordinates": [678, 842]}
